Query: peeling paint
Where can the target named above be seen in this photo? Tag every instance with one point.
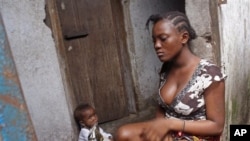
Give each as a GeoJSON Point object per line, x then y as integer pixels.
{"type": "Point", "coordinates": [15, 123]}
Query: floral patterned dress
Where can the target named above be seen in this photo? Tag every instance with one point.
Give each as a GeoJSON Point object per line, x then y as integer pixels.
{"type": "Point", "coordinates": [189, 104]}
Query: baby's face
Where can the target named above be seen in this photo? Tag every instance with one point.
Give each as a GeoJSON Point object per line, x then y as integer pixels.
{"type": "Point", "coordinates": [90, 117]}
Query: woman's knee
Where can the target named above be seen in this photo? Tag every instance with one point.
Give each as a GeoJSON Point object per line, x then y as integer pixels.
{"type": "Point", "coordinates": [123, 134]}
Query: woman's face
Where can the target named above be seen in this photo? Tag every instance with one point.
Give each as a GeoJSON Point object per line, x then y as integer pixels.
{"type": "Point", "coordinates": [89, 118]}
{"type": "Point", "coordinates": [167, 40]}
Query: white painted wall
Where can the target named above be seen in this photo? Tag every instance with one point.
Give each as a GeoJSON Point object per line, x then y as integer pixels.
{"type": "Point", "coordinates": [35, 56]}
{"type": "Point", "coordinates": [235, 48]}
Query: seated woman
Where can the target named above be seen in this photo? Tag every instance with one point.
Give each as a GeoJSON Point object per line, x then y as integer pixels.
{"type": "Point", "coordinates": [192, 90]}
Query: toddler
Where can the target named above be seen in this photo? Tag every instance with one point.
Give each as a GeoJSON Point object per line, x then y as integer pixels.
{"type": "Point", "coordinates": [86, 117]}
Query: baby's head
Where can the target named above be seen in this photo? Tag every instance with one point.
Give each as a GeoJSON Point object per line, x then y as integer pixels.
{"type": "Point", "coordinates": [85, 115]}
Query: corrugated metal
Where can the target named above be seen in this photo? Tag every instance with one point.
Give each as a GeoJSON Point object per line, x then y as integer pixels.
{"type": "Point", "coordinates": [15, 123]}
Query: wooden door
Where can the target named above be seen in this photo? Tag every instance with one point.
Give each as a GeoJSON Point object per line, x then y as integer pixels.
{"type": "Point", "coordinates": [93, 45]}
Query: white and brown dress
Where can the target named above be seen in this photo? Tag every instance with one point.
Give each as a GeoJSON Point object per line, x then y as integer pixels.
{"type": "Point", "coordinates": [189, 104]}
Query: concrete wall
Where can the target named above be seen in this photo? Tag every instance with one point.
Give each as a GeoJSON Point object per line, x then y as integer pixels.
{"type": "Point", "coordinates": [235, 45]}
{"type": "Point", "coordinates": [38, 69]}
{"type": "Point", "coordinates": [198, 13]}
{"type": "Point", "coordinates": [11, 98]}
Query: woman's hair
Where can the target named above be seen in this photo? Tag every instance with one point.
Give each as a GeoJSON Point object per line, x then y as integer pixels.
{"type": "Point", "coordinates": [178, 19]}
{"type": "Point", "coordinates": [78, 116]}
{"type": "Point", "coordinates": [181, 23]}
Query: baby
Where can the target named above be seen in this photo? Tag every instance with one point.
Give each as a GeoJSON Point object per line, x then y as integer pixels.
{"type": "Point", "coordinates": [86, 117]}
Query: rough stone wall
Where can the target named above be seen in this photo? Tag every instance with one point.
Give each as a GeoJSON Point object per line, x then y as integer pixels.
{"type": "Point", "coordinates": [36, 61]}
{"type": "Point", "coordinates": [199, 16]}
{"type": "Point", "coordinates": [235, 48]}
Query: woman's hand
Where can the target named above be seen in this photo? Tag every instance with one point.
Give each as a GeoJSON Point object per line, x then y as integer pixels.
{"type": "Point", "coordinates": [156, 130]}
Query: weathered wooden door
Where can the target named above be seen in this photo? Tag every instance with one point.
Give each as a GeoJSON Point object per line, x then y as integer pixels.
{"type": "Point", "coordinates": [93, 45]}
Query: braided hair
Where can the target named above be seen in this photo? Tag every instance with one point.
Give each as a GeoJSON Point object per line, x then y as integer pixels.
{"type": "Point", "coordinates": [181, 23]}
{"type": "Point", "coordinates": [178, 19]}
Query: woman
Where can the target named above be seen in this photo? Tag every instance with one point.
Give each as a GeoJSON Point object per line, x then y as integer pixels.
{"type": "Point", "coordinates": [191, 94]}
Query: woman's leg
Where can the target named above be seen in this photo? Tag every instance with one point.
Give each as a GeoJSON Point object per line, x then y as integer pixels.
{"type": "Point", "coordinates": [130, 132]}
